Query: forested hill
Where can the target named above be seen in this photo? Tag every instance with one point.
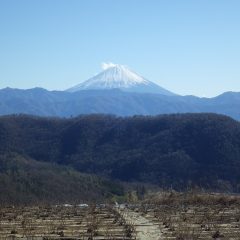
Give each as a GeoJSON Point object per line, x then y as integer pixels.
{"type": "Point", "coordinates": [167, 150]}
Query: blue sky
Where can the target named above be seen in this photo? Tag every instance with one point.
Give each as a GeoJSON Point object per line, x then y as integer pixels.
{"type": "Point", "coordinates": [187, 46]}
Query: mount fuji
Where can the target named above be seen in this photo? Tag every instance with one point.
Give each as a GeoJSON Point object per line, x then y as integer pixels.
{"type": "Point", "coordinates": [120, 77]}
{"type": "Point", "coordinates": [118, 91]}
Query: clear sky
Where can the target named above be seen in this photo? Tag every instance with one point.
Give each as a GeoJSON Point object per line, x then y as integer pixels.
{"type": "Point", "coordinates": [186, 46]}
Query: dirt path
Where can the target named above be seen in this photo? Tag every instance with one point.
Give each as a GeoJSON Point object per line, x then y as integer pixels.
{"type": "Point", "coordinates": [145, 228]}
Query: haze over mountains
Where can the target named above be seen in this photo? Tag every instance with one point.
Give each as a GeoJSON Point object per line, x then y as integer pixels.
{"type": "Point", "coordinates": [117, 90]}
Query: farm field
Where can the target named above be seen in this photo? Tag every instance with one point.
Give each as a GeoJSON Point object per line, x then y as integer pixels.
{"type": "Point", "coordinates": [163, 216]}
{"type": "Point", "coordinates": [189, 216]}
{"type": "Point", "coordinates": [63, 222]}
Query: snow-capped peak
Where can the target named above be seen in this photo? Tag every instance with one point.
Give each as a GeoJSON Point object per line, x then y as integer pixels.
{"type": "Point", "coordinates": [120, 77]}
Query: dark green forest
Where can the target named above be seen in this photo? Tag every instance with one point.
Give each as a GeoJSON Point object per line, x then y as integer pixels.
{"type": "Point", "coordinates": [88, 157]}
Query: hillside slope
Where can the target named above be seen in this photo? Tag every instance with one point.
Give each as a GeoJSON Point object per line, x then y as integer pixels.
{"type": "Point", "coordinates": [168, 150]}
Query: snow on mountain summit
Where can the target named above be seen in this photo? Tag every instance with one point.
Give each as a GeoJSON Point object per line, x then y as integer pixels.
{"type": "Point", "coordinates": [117, 76]}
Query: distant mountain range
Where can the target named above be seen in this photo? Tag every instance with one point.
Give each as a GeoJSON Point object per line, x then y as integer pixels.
{"type": "Point", "coordinates": [118, 91]}
{"type": "Point", "coordinates": [41, 102]}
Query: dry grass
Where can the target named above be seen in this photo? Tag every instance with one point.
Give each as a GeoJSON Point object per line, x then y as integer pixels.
{"type": "Point", "coordinates": [59, 222]}
{"type": "Point", "coordinates": [192, 216]}
{"type": "Point", "coordinates": [180, 216]}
